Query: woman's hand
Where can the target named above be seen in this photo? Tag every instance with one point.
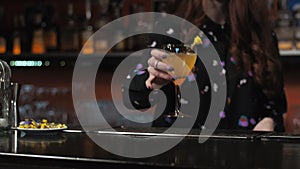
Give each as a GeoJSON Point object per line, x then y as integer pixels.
{"type": "Point", "coordinates": [158, 75]}
{"type": "Point", "coordinates": [266, 124]}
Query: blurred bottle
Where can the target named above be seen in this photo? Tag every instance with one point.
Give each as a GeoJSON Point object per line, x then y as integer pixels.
{"type": "Point", "coordinates": [16, 49]}
{"type": "Point", "coordinates": [103, 17]}
{"type": "Point", "coordinates": [24, 36]}
{"type": "Point", "coordinates": [139, 41]}
{"type": "Point", "coordinates": [100, 40]}
{"type": "Point", "coordinates": [51, 35]}
{"type": "Point", "coordinates": [69, 35]}
{"type": "Point", "coordinates": [87, 41]}
{"type": "Point", "coordinates": [284, 28]}
{"type": "Point", "coordinates": [3, 45]}
{"type": "Point", "coordinates": [161, 7]}
{"type": "Point", "coordinates": [297, 29]}
{"type": "Point", "coordinates": [121, 46]}
{"type": "Point", "coordinates": [38, 45]}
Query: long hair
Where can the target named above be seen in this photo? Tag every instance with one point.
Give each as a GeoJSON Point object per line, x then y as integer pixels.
{"type": "Point", "coordinates": [252, 44]}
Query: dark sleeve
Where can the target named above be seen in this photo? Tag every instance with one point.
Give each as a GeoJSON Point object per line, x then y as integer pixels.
{"type": "Point", "coordinates": [280, 108]}
{"type": "Point", "coordinates": [139, 94]}
{"type": "Point", "coordinates": [276, 106]}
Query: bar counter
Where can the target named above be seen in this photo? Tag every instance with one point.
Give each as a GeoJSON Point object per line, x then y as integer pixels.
{"type": "Point", "coordinates": [74, 149]}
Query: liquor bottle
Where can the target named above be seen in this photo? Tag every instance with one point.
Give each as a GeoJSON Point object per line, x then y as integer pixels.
{"type": "Point", "coordinates": [284, 28]}
{"type": "Point", "coordinates": [51, 36]}
{"type": "Point", "coordinates": [103, 17]}
{"type": "Point", "coordinates": [87, 41]}
{"type": "Point", "coordinates": [297, 30]}
{"type": "Point", "coordinates": [3, 45]}
{"type": "Point", "coordinates": [138, 41]}
{"type": "Point", "coordinates": [69, 34]}
{"type": "Point", "coordinates": [38, 45]}
{"type": "Point", "coordinates": [24, 36]}
{"type": "Point", "coordinates": [16, 40]}
{"type": "Point", "coordinates": [100, 40]}
{"type": "Point", "coordinates": [119, 36]}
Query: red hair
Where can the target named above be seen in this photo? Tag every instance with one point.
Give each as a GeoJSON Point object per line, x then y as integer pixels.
{"type": "Point", "coordinates": [252, 44]}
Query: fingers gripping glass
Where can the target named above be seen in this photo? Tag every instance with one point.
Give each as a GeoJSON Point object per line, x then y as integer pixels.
{"type": "Point", "coordinates": [182, 58]}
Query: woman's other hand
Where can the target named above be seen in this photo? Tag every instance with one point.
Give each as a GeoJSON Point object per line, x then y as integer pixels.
{"type": "Point", "coordinates": [158, 75]}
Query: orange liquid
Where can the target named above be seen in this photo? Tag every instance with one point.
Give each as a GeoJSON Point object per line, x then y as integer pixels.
{"type": "Point", "coordinates": [182, 64]}
{"type": "Point", "coordinates": [38, 46]}
{"type": "Point", "coordinates": [2, 45]}
{"type": "Point", "coordinates": [285, 45]}
{"type": "Point", "coordinates": [17, 46]}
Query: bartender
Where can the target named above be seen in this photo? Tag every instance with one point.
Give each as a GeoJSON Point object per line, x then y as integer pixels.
{"type": "Point", "coordinates": [241, 32]}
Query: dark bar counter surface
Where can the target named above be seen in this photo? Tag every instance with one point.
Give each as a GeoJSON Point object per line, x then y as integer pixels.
{"type": "Point", "coordinates": [74, 149]}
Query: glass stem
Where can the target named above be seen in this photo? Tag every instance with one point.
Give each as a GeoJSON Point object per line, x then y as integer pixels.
{"type": "Point", "coordinates": [177, 100]}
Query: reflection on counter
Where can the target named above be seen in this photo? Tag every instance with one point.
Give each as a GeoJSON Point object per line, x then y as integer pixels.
{"type": "Point", "coordinates": [5, 142]}
{"type": "Point", "coordinates": [39, 143]}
